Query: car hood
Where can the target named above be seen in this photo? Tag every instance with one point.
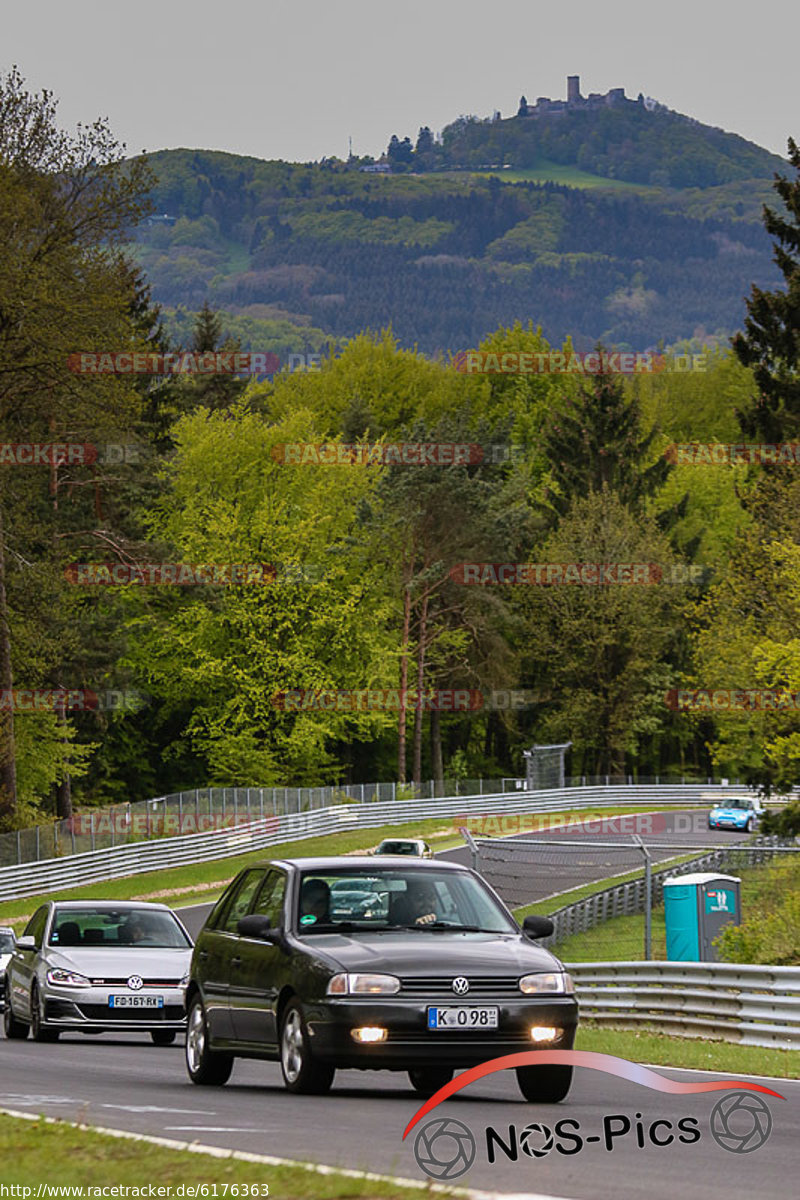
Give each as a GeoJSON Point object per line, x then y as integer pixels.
{"type": "Point", "coordinates": [433, 953]}
{"type": "Point", "coordinates": [149, 962]}
{"type": "Point", "coordinates": [732, 813]}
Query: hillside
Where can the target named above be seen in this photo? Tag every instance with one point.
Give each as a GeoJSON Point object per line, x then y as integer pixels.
{"type": "Point", "coordinates": [301, 254]}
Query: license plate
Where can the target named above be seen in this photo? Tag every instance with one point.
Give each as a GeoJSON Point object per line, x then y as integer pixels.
{"type": "Point", "coordinates": [462, 1018]}
{"type": "Point", "coordinates": [135, 1001]}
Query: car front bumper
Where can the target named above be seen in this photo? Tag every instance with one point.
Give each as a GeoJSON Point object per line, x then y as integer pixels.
{"type": "Point", "coordinates": [89, 1008]}
{"type": "Point", "coordinates": [409, 1042]}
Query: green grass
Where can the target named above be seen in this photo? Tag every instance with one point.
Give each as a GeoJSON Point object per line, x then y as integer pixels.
{"type": "Point", "coordinates": [39, 1151]}
{"type": "Point", "coordinates": [205, 880]}
{"type": "Point", "coordinates": [569, 176]}
{"type": "Point", "coordinates": [649, 1046]}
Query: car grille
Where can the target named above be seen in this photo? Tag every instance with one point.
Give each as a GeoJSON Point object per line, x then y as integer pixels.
{"type": "Point", "coordinates": [148, 1016]}
{"type": "Point", "coordinates": [480, 987]}
{"type": "Point", "coordinates": [123, 982]}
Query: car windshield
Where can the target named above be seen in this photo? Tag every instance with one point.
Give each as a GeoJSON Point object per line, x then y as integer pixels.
{"type": "Point", "coordinates": [736, 804]}
{"type": "Point", "coordinates": [103, 927]}
{"type": "Point", "coordinates": [386, 900]}
{"type": "Point", "coordinates": [7, 941]}
{"type": "Point", "coordinates": [398, 848]}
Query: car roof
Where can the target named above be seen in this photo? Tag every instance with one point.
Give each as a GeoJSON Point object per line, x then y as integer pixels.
{"type": "Point", "coordinates": [362, 862]}
{"type": "Point", "coordinates": [119, 905]}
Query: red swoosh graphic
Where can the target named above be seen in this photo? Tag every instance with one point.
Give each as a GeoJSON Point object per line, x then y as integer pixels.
{"type": "Point", "coordinates": [620, 1067]}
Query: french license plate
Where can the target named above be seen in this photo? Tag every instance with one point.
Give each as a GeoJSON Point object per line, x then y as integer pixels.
{"type": "Point", "coordinates": [462, 1018]}
{"type": "Point", "coordinates": [135, 1001]}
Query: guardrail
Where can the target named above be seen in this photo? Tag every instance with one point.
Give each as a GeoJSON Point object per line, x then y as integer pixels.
{"type": "Point", "coordinates": [751, 1005]}
{"type": "Point", "coordinates": [200, 809]}
{"type": "Point", "coordinates": [630, 898]}
{"type": "Point", "coordinates": [112, 862]}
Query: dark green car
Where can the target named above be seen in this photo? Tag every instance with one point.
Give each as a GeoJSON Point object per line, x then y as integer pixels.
{"type": "Point", "coordinates": [432, 975]}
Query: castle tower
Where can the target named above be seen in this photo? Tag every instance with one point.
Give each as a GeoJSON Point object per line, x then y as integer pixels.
{"type": "Point", "coordinates": [573, 89]}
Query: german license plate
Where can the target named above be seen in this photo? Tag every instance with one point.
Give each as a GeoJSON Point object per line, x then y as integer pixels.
{"type": "Point", "coordinates": [135, 1001]}
{"type": "Point", "coordinates": [462, 1018]}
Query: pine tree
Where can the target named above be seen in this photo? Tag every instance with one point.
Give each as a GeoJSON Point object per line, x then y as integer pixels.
{"type": "Point", "coordinates": [596, 442]}
{"type": "Point", "coordinates": [770, 345]}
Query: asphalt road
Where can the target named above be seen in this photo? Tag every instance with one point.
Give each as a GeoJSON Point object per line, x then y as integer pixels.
{"type": "Point", "coordinates": [135, 1086]}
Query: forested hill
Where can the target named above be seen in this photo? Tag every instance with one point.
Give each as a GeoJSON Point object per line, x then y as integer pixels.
{"type": "Point", "coordinates": [625, 141]}
{"type": "Point", "coordinates": [298, 255]}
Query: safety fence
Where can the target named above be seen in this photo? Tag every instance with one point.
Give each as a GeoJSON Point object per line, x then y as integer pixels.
{"type": "Point", "coordinates": [751, 1005]}
{"type": "Point", "coordinates": [204, 809]}
{"type": "Point", "coordinates": [242, 832]}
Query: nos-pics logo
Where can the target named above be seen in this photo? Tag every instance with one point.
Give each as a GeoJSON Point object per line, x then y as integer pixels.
{"type": "Point", "coordinates": [445, 1149]}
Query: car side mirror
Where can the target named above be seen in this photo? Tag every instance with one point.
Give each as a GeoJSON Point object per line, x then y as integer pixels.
{"type": "Point", "coordinates": [538, 927]}
{"type": "Point", "coordinates": [256, 925]}
{"type": "Point", "coordinates": [26, 942]}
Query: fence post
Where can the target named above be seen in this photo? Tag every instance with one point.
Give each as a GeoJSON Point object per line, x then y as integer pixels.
{"type": "Point", "coordinates": [648, 901]}
{"type": "Point", "coordinates": [91, 829]}
{"type": "Point", "coordinates": [71, 830]}
{"type": "Point", "coordinates": [37, 843]}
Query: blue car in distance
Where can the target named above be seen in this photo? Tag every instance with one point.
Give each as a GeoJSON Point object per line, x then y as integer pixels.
{"type": "Point", "coordinates": [740, 812]}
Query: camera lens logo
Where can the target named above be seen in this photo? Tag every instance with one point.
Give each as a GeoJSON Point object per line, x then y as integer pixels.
{"type": "Point", "coordinates": [740, 1122]}
{"type": "Point", "coordinates": [444, 1149]}
{"type": "Point", "coordinates": [536, 1140]}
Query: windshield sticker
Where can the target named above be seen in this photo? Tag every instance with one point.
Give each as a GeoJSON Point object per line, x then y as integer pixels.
{"type": "Point", "coordinates": [308, 919]}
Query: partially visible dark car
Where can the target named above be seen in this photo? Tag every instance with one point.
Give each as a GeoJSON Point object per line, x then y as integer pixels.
{"type": "Point", "coordinates": [438, 976]}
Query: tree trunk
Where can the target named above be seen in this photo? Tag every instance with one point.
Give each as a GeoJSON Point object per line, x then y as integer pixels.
{"type": "Point", "coordinates": [8, 756]}
{"type": "Point", "coordinates": [437, 766]}
{"type": "Point", "coordinates": [423, 631]}
{"type": "Point", "coordinates": [401, 720]}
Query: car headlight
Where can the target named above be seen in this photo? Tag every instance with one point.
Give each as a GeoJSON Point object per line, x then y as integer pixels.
{"type": "Point", "coordinates": [363, 985]}
{"type": "Point", "coordinates": [61, 978]}
{"type": "Point", "coordinates": [184, 983]}
{"type": "Point", "coordinates": [551, 981]}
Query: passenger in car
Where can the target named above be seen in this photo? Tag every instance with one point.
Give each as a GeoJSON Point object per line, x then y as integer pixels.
{"type": "Point", "coordinates": [315, 900]}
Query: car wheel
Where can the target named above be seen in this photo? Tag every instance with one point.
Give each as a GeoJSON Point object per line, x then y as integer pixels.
{"type": "Point", "coordinates": [545, 1084]}
{"type": "Point", "coordinates": [163, 1037]}
{"type": "Point", "coordinates": [749, 825]}
{"type": "Point", "coordinates": [300, 1073]}
{"type": "Point", "coordinates": [11, 1026]}
{"type": "Point", "coordinates": [39, 1031]}
{"type": "Point", "coordinates": [205, 1066]}
{"type": "Point", "coordinates": [427, 1080]}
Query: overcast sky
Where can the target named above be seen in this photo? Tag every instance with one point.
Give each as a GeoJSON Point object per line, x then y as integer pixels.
{"type": "Point", "coordinates": [293, 79]}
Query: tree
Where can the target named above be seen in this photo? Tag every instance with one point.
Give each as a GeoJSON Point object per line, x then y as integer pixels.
{"type": "Point", "coordinates": [770, 345]}
{"type": "Point", "coordinates": [67, 204]}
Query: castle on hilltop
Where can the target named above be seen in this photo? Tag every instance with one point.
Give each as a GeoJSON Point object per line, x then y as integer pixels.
{"type": "Point", "coordinates": [614, 98]}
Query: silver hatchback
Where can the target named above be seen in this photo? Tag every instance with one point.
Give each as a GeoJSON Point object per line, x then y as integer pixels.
{"type": "Point", "coordinates": [97, 966]}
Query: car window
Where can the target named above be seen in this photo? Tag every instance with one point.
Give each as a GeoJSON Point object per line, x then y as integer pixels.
{"type": "Point", "coordinates": [35, 927]}
{"type": "Point", "coordinates": [396, 898]}
{"type": "Point", "coordinates": [269, 901]}
{"type": "Point", "coordinates": [7, 941]}
{"type": "Point", "coordinates": [103, 926]}
{"type": "Point", "coordinates": [241, 900]}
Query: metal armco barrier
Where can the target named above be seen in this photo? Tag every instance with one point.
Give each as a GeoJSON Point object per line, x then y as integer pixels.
{"type": "Point", "coordinates": [751, 1005]}
{"type": "Point", "coordinates": [72, 870]}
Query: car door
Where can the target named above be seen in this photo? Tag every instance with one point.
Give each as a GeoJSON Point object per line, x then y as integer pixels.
{"type": "Point", "coordinates": [218, 951]}
{"type": "Point", "coordinates": [22, 968]}
{"type": "Point", "coordinates": [257, 979]}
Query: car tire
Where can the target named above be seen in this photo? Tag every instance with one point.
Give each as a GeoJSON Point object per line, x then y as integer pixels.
{"type": "Point", "coordinates": [162, 1037]}
{"type": "Point", "coordinates": [427, 1080]}
{"type": "Point", "coordinates": [301, 1074]}
{"type": "Point", "coordinates": [206, 1067]}
{"type": "Point", "coordinates": [749, 825]}
{"type": "Point", "coordinates": [545, 1084]}
{"type": "Point", "coordinates": [11, 1026]}
{"type": "Point", "coordinates": [40, 1031]}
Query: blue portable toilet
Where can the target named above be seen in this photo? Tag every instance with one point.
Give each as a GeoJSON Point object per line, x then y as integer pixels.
{"type": "Point", "coordinates": [695, 909]}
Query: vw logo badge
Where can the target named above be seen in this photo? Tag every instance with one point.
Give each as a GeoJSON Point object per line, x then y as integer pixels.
{"type": "Point", "coordinates": [460, 986]}
{"type": "Point", "coordinates": [135, 982]}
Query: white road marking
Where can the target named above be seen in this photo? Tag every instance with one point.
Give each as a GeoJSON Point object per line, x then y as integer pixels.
{"type": "Point", "coordinates": [146, 1108]}
{"type": "Point", "coordinates": [218, 1128]}
{"type": "Point", "coordinates": [272, 1161]}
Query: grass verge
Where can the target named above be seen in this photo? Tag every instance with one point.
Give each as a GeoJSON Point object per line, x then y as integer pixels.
{"type": "Point", "coordinates": [205, 880]}
{"type": "Point", "coordinates": [649, 1046]}
{"type": "Point", "coordinates": [39, 1151]}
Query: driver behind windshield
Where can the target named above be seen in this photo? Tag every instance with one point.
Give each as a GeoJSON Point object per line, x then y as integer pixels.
{"type": "Point", "coordinates": [419, 905]}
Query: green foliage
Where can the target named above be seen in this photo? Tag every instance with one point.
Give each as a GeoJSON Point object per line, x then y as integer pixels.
{"type": "Point", "coordinates": [770, 932]}
{"type": "Point", "coordinates": [784, 822]}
